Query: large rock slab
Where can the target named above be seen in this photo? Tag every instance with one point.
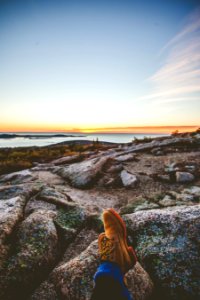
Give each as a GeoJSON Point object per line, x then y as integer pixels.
{"type": "Point", "coordinates": [34, 253]}
{"type": "Point", "coordinates": [27, 190]}
{"type": "Point", "coordinates": [83, 174]}
{"type": "Point", "coordinates": [67, 159]}
{"type": "Point", "coordinates": [74, 280]}
{"type": "Point", "coordinates": [17, 177]}
{"type": "Point", "coordinates": [11, 213]}
{"type": "Point", "coordinates": [167, 243]}
{"type": "Point", "coordinates": [168, 141]}
{"type": "Point", "coordinates": [10, 191]}
{"type": "Point", "coordinates": [53, 196]}
{"type": "Point", "coordinates": [13, 200]}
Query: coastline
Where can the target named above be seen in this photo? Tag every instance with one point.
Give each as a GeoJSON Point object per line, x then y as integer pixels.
{"type": "Point", "coordinates": [47, 139]}
{"type": "Point", "coordinates": [35, 136]}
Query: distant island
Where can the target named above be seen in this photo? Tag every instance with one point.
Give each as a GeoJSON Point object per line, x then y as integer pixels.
{"type": "Point", "coordinates": [35, 136]}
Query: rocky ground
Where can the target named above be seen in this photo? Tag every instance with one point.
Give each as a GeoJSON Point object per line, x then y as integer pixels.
{"type": "Point", "coordinates": [50, 218]}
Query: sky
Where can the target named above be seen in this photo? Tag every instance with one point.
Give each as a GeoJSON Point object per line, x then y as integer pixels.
{"type": "Point", "coordinates": [80, 65]}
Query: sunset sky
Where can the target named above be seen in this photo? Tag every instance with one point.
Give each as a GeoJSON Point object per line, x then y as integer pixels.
{"type": "Point", "coordinates": [81, 65]}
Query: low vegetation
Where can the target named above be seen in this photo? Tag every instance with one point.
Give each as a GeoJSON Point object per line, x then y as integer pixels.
{"type": "Point", "coordinates": [16, 159]}
{"type": "Point", "coordinates": [143, 140]}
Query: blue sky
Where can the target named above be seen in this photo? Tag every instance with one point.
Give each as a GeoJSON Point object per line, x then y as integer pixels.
{"type": "Point", "coordinates": [95, 64]}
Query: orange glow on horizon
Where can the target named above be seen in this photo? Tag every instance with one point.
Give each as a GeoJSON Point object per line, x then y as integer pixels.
{"type": "Point", "coordinates": [145, 129]}
{"type": "Point", "coordinates": [133, 129]}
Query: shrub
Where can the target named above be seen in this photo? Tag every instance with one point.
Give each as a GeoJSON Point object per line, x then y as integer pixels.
{"type": "Point", "coordinates": [175, 132]}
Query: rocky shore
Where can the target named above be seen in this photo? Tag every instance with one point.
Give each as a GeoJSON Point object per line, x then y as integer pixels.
{"type": "Point", "coordinates": [50, 218]}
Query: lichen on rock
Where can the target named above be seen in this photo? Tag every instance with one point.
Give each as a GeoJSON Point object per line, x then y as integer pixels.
{"type": "Point", "coordinates": [35, 252]}
{"type": "Point", "coordinates": [167, 245]}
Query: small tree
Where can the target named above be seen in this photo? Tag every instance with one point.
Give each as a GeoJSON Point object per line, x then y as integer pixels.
{"type": "Point", "coordinates": [175, 132]}
{"type": "Point", "coordinates": [96, 143]}
{"type": "Point", "coordinates": [198, 130]}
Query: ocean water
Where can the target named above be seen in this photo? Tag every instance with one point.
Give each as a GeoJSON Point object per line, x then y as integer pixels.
{"type": "Point", "coordinates": [36, 140]}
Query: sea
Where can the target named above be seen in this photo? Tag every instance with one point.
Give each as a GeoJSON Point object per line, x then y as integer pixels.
{"type": "Point", "coordinates": [28, 139]}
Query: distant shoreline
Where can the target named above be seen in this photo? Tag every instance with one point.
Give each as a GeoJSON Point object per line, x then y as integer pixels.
{"type": "Point", "coordinates": [79, 143]}
{"type": "Point", "coordinates": [35, 136]}
{"type": "Point", "coordinates": [30, 139]}
{"type": "Point", "coordinates": [65, 143]}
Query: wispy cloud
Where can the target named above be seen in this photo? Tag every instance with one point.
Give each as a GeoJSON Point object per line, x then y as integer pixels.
{"type": "Point", "coordinates": [179, 77]}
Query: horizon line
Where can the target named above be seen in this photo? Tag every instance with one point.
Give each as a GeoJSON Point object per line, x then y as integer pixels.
{"type": "Point", "coordinates": [118, 129]}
